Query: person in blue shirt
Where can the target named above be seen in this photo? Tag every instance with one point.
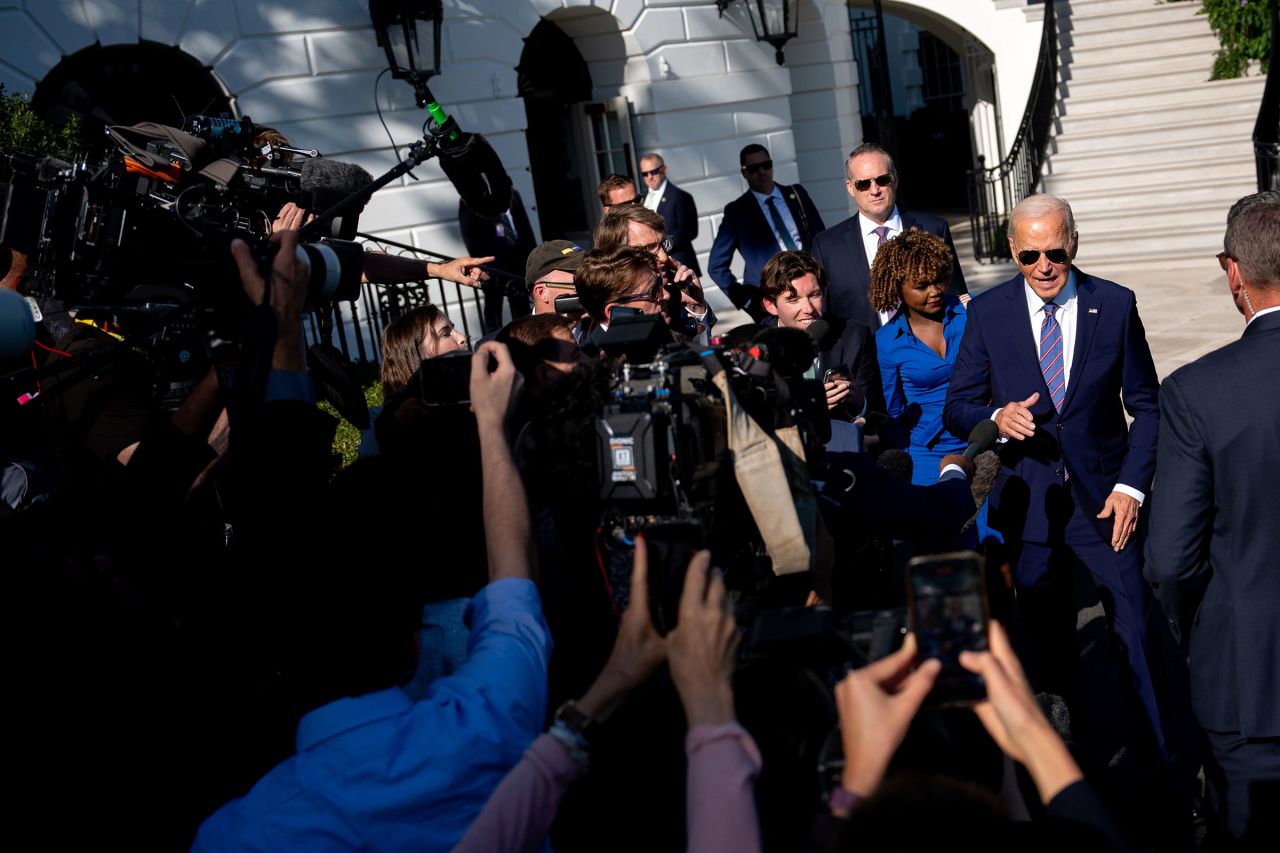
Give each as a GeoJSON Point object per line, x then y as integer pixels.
{"type": "Point", "coordinates": [377, 769]}
{"type": "Point", "coordinates": [917, 347]}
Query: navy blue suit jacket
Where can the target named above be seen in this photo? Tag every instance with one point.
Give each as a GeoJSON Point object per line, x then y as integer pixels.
{"type": "Point", "coordinates": [843, 255]}
{"type": "Point", "coordinates": [998, 364]}
{"type": "Point", "coordinates": [1213, 544]}
{"type": "Point", "coordinates": [677, 209]}
{"type": "Point", "coordinates": [850, 345]}
{"type": "Point", "coordinates": [744, 229]}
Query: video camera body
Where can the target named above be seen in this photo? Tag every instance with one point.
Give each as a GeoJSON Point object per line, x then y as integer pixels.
{"type": "Point", "coordinates": [666, 460]}
{"type": "Point", "coordinates": [162, 211]}
{"type": "Point", "coordinates": [141, 245]}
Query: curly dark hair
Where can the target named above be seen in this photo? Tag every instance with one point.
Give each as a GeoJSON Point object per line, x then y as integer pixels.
{"type": "Point", "coordinates": [910, 257]}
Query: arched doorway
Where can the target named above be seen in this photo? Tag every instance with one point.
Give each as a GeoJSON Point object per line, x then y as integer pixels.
{"type": "Point", "coordinates": [579, 126]}
{"type": "Point", "coordinates": [918, 91]}
{"type": "Point", "coordinates": [129, 83]}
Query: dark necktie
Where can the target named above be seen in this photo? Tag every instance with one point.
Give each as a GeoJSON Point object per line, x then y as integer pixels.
{"type": "Point", "coordinates": [779, 225]}
{"type": "Point", "coordinates": [1051, 362]}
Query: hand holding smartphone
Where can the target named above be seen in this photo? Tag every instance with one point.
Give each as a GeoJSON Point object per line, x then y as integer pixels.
{"type": "Point", "coordinates": [948, 613]}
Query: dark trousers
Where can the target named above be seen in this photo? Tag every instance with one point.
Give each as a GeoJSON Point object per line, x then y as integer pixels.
{"type": "Point", "coordinates": [1244, 787]}
{"type": "Point", "coordinates": [1043, 577]}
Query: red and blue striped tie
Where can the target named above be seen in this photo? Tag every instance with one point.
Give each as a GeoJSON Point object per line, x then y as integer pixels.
{"type": "Point", "coordinates": [1051, 363]}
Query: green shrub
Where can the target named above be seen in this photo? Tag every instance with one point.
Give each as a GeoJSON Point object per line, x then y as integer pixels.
{"type": "Point", "coordinates": [22, 129]}
{"type": "Point", "coordinates": [1243, 28]}
{"type": "Point", "coordinates": [347, 439]}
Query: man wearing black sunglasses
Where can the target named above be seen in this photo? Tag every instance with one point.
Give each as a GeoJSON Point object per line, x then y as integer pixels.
{"type": "Point", "coordinates": [1056, 358]}
{"type": "Point", "coordinates": [768, 218]}
{"type": "Point", "coordinates": [675, 206]}
{"type": "Point", "coordinates": [847, 250]}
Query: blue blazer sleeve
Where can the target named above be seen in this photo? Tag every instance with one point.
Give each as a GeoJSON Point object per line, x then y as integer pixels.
{"type": "Point", "coordinates": [1177, 555]}
{"type": "Point", "coordinates": [726, 243]}
{"type": "Point", "coordinates": [969, 394]}
{"type": "Point", "coordinates": [1141, 390]}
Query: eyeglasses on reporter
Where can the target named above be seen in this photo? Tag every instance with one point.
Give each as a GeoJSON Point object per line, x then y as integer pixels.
{"type": "Point", "coordinates": [881, 181]}
{"type": "Point", "coordinates": [666, 244]}
{"type": "Point", "coordinates": [1028, 257]}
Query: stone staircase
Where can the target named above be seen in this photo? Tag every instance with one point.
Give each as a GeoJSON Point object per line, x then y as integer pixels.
{"type": "Point", "coordinates": [1147, 150]}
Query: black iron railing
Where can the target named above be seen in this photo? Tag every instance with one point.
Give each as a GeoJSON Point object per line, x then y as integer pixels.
{"type": "Point", "coordinates": [994, 192]}
{"type": "Point", "coordinates": [356, 327]}
{"type": "Point", "coordinates": [1266, 131]}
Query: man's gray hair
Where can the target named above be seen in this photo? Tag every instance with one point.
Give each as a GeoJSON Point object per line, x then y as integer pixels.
{"type": "Point", "coordinates": [868, 148]}
{"type": "Point", "coordinates": [1253, 237]}
{"type": "Point", "coordinates": [1042, 206]}
{"type": "Point", "coordinates": [653, 155]}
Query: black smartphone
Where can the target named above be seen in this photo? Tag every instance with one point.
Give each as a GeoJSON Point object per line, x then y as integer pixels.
{"type": "Point", "coordinates": [947, 607]}
{"type": "Point", "coordinates": [671, 545]}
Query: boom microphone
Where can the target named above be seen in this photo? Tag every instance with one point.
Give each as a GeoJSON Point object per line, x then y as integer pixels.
{"type": "Point", "coordinates": [982, 437]}
{"type": "Point", "coordinates": [477, 173]}
{"type": "Point", "coordinates": [327, 182]}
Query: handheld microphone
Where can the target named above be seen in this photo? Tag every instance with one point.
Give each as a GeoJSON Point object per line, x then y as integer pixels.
{"type": "Point", "coordinates": [818, 330]}
{"type": "Point", "coordinates": [898, 463]}
{"type": "Point", "coordinates": [982, 438]}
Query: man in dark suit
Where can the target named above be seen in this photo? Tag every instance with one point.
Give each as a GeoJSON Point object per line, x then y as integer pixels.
{"type": "Point", "coordinates": [767, 219]}
{"type": "Point", "coordinates": [793, 287]}
{"type": "Point", "coordinates": [675, 206]}
{"type": "Point", "coordinates": [849, 249]}
{"type": "Point", "coordinates": [1047, 356]}
{"type": "Point", "coordinates": [1213, 549]}
{"type": "Point", "coordinates": [509, 239]}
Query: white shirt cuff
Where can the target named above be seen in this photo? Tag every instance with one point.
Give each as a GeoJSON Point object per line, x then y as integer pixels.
{"type": "Point", "coordinates": [1004, 438]}
{"type": "Point", "coordinates": [948, 469]}
{"type": "Point", "coordinates": [1130, 491]}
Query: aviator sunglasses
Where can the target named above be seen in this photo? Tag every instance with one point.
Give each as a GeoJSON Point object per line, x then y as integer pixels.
{"type": "Point", "coordinates": [865, 184]}
{"type": "Point", "coordinates": [1031, 256]}
{"type": "Point", "coordinates": [764, 165]}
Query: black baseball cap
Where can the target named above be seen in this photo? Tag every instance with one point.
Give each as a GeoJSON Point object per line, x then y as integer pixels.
{"type": "Point", "coordinates": [552, 255]}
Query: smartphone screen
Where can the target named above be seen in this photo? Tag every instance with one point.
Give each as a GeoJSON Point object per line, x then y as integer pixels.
{"type": "Point", "coordinates": [671, 546]}
{"type": "Point", "coordinates": [947, 605]}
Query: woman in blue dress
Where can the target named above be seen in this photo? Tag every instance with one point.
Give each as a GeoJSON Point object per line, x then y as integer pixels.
{"type": "Point", "coordinates": [917, 348]}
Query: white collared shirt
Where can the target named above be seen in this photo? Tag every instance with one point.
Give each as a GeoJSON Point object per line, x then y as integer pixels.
{"type": "Point", "coordinates": [784, 212]}
{"type": "Point", "coordinates": [1270, 310]}
{"type": "Point", "coordinates": [871, 242]}
{"type": "Point", "coordinates": [651, 200]}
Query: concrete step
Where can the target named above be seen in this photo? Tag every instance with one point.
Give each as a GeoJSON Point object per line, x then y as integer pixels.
{"type": "Point", "coordinates": [1175, 195]}
{"type": "Point", "coordinates": [1082, 54]}
{"type": "Point", "coordinates": [1137, 30]}
{"type": "Point", "coordinates": [1159, 93]}
{"type": "Point", "coordinates": [1126, 68]}
{"type": "Point", "coordinates": [1195, 241]}
{"type": "Point", "coordinates": [1166, 220]}
{"type": "Point", "coordinates": [1085, 9]}
{"type": "Point", "coordinates": [1225, 104]}
{"type": "Point", "coordinates": [1211, 148]}
{"type": "Point", "coordinates": [1115, 16]}
{"type": "Point", "coordinates": [1102, 87]}
{"type": "Point", "coordinates": [1136, 177]}
{"type": "Point", "coordinates": [1172, 129]}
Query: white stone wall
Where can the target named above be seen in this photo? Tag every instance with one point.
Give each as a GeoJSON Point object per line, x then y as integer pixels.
{"type": "Point", "coordinates": [701, 88]}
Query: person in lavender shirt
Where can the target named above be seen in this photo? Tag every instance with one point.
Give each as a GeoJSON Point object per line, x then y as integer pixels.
{"type": "Point", "coordinates": [722, 758]}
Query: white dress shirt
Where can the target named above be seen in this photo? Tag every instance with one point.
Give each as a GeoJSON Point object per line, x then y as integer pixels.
{"type": "Point", "coordinates": [784, 212]}
{"type": "Point", "coordinates": [871, 242]}
{"type": "Point", "coordinates": [1066, 315]}
{"type": "Point", "coordinates": [651, 200]}
{"type": "Point", "coordinates": [1271, 310]}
